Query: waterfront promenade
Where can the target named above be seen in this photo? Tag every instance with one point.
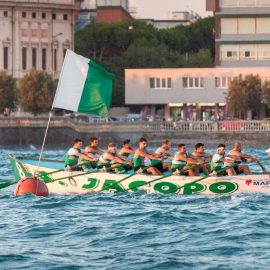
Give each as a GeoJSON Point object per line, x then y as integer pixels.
{"type": "Point", "coordinates": [26, 130]}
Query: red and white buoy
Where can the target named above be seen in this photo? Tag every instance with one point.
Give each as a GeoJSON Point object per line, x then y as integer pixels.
{"type": "Point", "coordinates": [31, 185]}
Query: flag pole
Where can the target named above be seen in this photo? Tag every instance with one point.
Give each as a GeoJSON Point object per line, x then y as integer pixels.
{"type": "Point", "coordinates": [50, 113]}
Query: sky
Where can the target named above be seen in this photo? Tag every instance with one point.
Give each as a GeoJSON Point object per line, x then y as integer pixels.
{"type": "Point", "coordinates": [162, 9]}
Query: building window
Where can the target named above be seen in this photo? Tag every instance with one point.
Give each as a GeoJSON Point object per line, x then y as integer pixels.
{"type": "Point", "coordinates": [34, 15]}
{"type": "Point", "coordinates": [5, 13]}
{"type": "Point", "coordinates": [23, 14]}
{"type": "Point", "coordinates": [44, 33]}
{"type": "Point", "coordinates": [54, 60]}
{"type": "Point", "coordinates": [160, 83]}
{"type": "Point", "coordinates": [43, 15]}
{"type": "Point", "coordinates": [44, 58]}
{"type": "Point", "coordinates": [193, 82]}
{"type": "Point", "coordinates": [34, 57]}
{"type": "Point", "coordinates": [5, 57]}
{"type": "Point", "coordinates": [34, 33]}
{"type": "Point", "coordinates": [222, 82]}
{"type": "Point", "coordinates": [65, 17]}
{"type": "Point", "coordinates": [24, 58]}
{"type": "Point", "coordinates": [247, 53]}
{"type": "Point", "coordinates": [54, 16]}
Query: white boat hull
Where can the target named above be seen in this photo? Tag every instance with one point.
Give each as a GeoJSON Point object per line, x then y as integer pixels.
{"type": "Point", "coordinates": [63, 182]}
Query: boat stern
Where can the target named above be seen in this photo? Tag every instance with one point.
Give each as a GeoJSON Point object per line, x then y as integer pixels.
{"type": "Point", "coordinates": [19, 169]}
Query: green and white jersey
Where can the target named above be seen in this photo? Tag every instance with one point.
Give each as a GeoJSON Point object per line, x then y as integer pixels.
{"type": "Point", "coordinates": [216, 163]}
{"type": "Point", "coordinates": [138, 162]}
{"type": "Point", "coordinates": [178, 162]}
{"type": "Point", "coordinates": [103, 161]}
{"type": "Point", "coordinates": [71, 158]}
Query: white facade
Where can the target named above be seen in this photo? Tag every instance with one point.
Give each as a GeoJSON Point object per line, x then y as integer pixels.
{"type": "Point", "coordinates": [243, 33]}
{"type": "Point", "coordinates": [35, 33]}
{"type": "Point", "coordinates": [177, 88]}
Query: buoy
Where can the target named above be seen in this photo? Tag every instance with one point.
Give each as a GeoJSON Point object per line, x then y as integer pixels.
{"type": "Point", "coordinates": [31, 185]}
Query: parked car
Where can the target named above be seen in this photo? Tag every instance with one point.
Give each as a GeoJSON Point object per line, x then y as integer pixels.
{"type": "Point", "coordinates": [89, 118]}
{"type": "Point", "coordinates": [228, 123]}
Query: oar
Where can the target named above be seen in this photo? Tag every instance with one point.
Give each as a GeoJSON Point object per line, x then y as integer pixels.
{"type": "Point", "coordinates": [183, 170]}
{"type": "Point", "coordinates": [4, 185]}
{"type": "Point", "coordinates": [85, 173]}
{"type": "Point", "coordinates": [165, 176]}
{"type": "Point", "coordinates": [71, 167]}
{"type": "Point", "coordinates": [262, 167]}
{"type": "Point", "coordinates": [125, 178]}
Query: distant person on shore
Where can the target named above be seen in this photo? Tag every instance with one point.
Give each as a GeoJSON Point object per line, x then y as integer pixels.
{"type": "Point", "coordinates": [219, 161]}
{"type": "Point", "coordinates": [163, 152]}
{"type": "Point", "coordinates": [237, 155]}
{"type": "Point", "coordinates": [140, 154]}
{"type": "Point", "coordinates": [7, 111]}
{"type": "Point", "coordinates": [201, 156]}
{"type": "Point", "coordinates": [127, 149]}
{"type": "Point", "coordinates": [74, 153]}
{"type": "Point", "coordinates": [182, 161]}
{"type": "Point", "coordinates": [111, 159]}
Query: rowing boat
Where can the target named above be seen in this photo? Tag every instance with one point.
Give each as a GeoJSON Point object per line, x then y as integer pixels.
{"type": "Point", "coordinates": [60, 181]}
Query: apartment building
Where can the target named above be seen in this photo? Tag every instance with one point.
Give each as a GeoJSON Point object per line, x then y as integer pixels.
{"type": "Point", "coordinates": [184, 93]}
{"type": "Point", "coordinates": [242, 32]}
{"type": "Point", "coordinates": [35, 33]}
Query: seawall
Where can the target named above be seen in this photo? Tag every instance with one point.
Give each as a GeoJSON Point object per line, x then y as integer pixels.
{"type": "Point", "coordinates": [24, 132]}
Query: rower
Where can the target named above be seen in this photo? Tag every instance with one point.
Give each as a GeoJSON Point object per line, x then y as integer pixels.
{"type": "Point", "coordinates": [163, 152]}
{"type": "Point", "coordinates": [237, 155]}
{"type": "Point", "coordinates": [268, 152]}
{"type": "Point", "coordinates": [93, 147]}
{"type": "Point", "coordinates": [127, 149]}
{"type": "Point", "coordinates": [92, 150]}
{"type": "Point", "coordinates": [183, 160]}
{"type": "Point", "coordinates": [140, 154]}
{"type": "Point", "coordinates": [201, 156]}
{"type": "Point", "coordinates": [219, 161]}
{"type": "Point", "coordinates": [73, 155]}
{"type": "Point", "coordinates": [112, 159]}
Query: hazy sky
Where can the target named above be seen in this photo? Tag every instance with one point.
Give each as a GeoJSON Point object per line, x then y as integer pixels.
{"type": "Point", "coordinates": [161, 9]}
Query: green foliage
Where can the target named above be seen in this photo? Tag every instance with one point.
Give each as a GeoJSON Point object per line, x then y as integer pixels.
{"type": "Point", "coordinates": [7, 91]}
{"type": "Point", "coordinates": [36, 92]}
{"type": "Point", "coordinates": [136, 44]}
{"type": "Point", "coordinates": [245, 94]}
{"type": "Point", "coordinates": [266, 94]}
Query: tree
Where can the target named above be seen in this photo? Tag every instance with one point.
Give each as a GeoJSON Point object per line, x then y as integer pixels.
{"type": "Point", "coordinates": [36, 91]}
{"type": "Point", "coordinates": [7, 91]}
{"type": "Point", "coordinates": [266, 94]}
{"type": "Point", "coordinates": [245, 94]}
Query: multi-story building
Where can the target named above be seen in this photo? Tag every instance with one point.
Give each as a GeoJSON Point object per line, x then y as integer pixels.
{"type": "Point", "coordinates": [242, 42]}
{"type": "Point", "coordinates": [103, 11]}
{"type": "Point", "coordinates": [35, 33]}
{"type": "Point", "coordinates": [242, 32]}
{"type": "Point", "coordinates": [178, 18]}
{"type": "Point", "coordinates": [184, 93]}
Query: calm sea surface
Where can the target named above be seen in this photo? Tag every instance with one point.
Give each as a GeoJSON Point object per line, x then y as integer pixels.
{"type": "Point", "coordinates": [132, 231]}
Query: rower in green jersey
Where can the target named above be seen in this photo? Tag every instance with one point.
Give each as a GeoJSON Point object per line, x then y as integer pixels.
{"type": "Point", "coordinates": [73, 155]}
{"type": "Point", "coordinates": [140, 154]}
{"type": "Point", "coordinates": [219, 161]}
{"type": "Point", "coordinates": [111, 158]}
{"type": "Point", "coordinates": [164, 152]}
{"type": "Point", "coordinates": [92, 150]}
{"type": "Point", "coordinates": [183, 160]}
{"type": "Point", "coordinates": [201, 156]}
{"type": "Point", "coordinates": [126, 150]}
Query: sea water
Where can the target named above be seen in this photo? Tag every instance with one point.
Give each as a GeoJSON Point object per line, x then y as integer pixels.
{"type": "Point", "coordinates": [132, 230]}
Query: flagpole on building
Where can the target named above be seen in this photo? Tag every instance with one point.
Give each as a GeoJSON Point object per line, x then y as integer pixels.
{"type": "Point", "coordinates": [50, 114]}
